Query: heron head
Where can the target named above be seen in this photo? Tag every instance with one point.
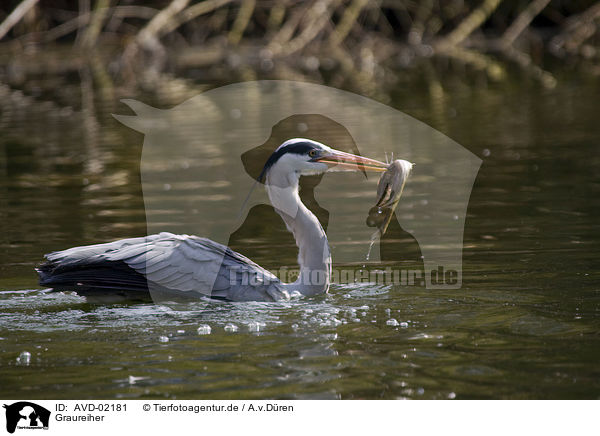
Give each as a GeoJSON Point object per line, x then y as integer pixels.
{"type": "Point", "coordinates": [307, 157]}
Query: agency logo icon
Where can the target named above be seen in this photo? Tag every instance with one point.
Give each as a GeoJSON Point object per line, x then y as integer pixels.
{"type": "Point", "coordinates": [26, 415]}
{"type": "Point", "coordinates": [202, 158]}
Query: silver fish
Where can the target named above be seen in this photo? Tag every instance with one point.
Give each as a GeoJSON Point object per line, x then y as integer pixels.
{"type": "Point", "coordinates": [390, 187]}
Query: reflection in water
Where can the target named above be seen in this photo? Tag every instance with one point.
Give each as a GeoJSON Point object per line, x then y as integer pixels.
{"type": "Point", "coordinates": [397, 245]}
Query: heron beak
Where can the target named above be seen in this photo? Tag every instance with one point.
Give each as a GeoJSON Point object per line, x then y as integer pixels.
{"type": "Point", "coordinates": [352, 161]}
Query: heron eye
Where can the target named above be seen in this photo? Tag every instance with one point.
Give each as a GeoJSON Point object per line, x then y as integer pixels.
{"type": "Point", "coordinates": [312, 153]}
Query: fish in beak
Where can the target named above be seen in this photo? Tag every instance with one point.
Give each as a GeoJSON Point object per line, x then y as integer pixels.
{"type": "Point", "coordinates": [390, 188]}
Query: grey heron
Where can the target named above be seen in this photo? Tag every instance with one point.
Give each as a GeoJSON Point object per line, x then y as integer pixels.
{"type": "Point", "coordinates": [191, 266]}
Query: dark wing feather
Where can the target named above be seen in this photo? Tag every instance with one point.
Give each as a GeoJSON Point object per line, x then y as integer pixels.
{"type": "Point", "coordinates": [182, 263]}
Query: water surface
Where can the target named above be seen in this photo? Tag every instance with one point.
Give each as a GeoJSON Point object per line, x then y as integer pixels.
{"type": "Point", "coordinates": [525, 324]}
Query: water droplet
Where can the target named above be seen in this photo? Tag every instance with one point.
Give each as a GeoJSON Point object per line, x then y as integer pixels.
{"type": "Point", "coordinates": [229, 327]}
{"type": "Point", "coordinates": [365, 307]}
{"type": "Point", "coordinates": [373, 239]}
{"type": "Point", "coordinates": [163, 339]}
{"type": "Point", "coordinates": [133, 379]}
{"type": "Point", "coordinates": [204, 329]}
{"type": "Point", "coordinates": [24, 358]}
{"type": "Point", "coordinates": [452, 395]}
{"type": "Point", "coordinates": [256, 326]}
{"type": "Point", "coordinates": [403, 324]}
{"type": "Point", "coordinates": [180, 332]}
{"type": "Point", "coordinates": [392, 322]}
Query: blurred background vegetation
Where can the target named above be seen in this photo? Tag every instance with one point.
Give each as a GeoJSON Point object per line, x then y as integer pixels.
{"type": "Point", "coordinates": [165, 46]}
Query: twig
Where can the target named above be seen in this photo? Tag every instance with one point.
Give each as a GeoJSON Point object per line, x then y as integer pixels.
{"type": "Point", "coordinates": [149, 39]}
{"type": "Point", "coordinates": [15, 16]}
{"type": "Point", "coordinates": [149, 35]}
{"type": "Point", "coordinates": [276, 16]}
{"type": "Point", "coordinates": [211, 54]}
{"type": "Point", "coordinates": [241, 21]}
{"type": "Point", "coordinates": [287, 30]}
{"type": "Point", "coordinates": [522, 21]}
{"type": "Point", "coordinates": [66, 27]}
{"type": "Point", "coordinates": [84, 8]}
{"type": "Point", "coordinates": [480, 61]}
{"type": "Point", "coordinates": [83, 19]}
{"type": "Point", "coordinates": [469, 24]}
{"type": "Point", "coordinates": [415, 34]}
{"type": "Point", "coordinates": [192, 12]}
{"type": "Point", "coordinates": [578, 29]}
{"type": "Point", "coordinates": [317, 17]}
{"type": "Point", "coordinates": [96, 22]}
{"type": "Point", "coordinates": [348, 19]}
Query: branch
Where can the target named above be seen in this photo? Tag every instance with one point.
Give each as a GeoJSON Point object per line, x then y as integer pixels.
{"type": "Point", "coordinates": [415, 34]}
{"type": "Point", "coordinates": [348, 19]}
{"type": "Point", "coordinates": [276, 16]}
{"type": "Point", "coordinates": [317, 17]}
{"type": "Point", "coordinates": [469, 24]}
{"type": "Point", "coordinates": [578, 29]}
{"type": "Point", "coordinates": [522, 21]}
{"type": "Point", "coordinates": [83, 19]}
{"type": "Point", "coordinates": [192, 12]}
{"type": "Point", "coordinates": [15, 16]}
{"type": "Point", "coordinates": [241, 21]}
{"type": "Point", "coordinates": [96, 21]}
{"type": "Point", "coordinates": [494, 69]}
{"type": "Point", "coordinates": [149, 35]}
{"type": "Point", "coordinates": [287, 30]}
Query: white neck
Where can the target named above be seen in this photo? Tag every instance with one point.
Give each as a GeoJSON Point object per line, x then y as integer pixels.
{"type": "Point", "coordinates": [314, 257]}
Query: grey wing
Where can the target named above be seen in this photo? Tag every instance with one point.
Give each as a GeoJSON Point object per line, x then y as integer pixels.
{"type": "Point", "coordinates": [198, 265]}
{"type": "Point", "coordinates": [189, 265]}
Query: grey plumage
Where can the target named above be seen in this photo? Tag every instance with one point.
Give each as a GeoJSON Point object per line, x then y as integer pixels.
{"type": "Point", "coordinates": [179, 266]}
